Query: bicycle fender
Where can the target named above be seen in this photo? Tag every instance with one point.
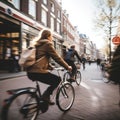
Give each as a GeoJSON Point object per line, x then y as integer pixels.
{"type": "Point", "coordinates": [19, 90]}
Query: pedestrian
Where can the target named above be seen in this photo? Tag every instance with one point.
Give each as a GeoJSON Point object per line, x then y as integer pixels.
{"type": "Point", "coordinates": [40, 70]}
{"type": "Point", "coordinates": [84, 61]}
{"type": "Point", "coordinates": [114, 68]}
{"type": "Point", "coordinates": [98, 61]}
{"type": "Point", "coordinates": [13, 63]}
{"type": "Point", "coordinates": [70, 59]}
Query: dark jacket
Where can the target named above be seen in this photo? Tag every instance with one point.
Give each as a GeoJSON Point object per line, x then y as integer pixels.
{"type": "Point", "coordinates": [114, 69]}
{"type": "Point", "coordinates": [45, 48]}
{"type": "Point", "coordinates": [74, 53]}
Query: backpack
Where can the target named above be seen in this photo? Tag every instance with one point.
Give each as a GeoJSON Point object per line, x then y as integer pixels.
{"type": "Point", "coordinates": [27, 57]}
{"type": "Point", "coordinates": [69, 55]}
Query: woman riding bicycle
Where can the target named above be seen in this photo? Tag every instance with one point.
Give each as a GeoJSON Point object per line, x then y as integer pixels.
{"type": "Point", "coordinates": [40, 70]}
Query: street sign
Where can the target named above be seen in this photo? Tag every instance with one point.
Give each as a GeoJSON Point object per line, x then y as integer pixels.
{"type": "Point", "coordinates": [116, 40]}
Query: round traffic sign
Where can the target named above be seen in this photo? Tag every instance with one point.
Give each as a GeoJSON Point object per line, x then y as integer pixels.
{"type": "Point", "coordinates": [116, 40]}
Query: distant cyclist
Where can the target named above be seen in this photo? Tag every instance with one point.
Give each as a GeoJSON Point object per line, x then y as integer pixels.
{"type": "Point", "coordinates": [70, 59]}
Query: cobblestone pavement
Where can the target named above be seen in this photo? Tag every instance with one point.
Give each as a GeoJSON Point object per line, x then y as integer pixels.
{"type": "Point", "coordinates": [95, 100]}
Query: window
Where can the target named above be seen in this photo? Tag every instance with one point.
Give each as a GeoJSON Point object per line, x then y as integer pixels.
{"type": "Point", "coordinates": [58, 27]}
{"type": "Point", "coordinates": [52, 23]}
{"type": "Point", "coordinates": [58, 14]}
{"type": "Point", "coordinates": [32, 8]}
{"type": "Point", "coordinates": [16, 3]}
{"type": "Point", "coordinates": [45, 2]}
{"type": "Point", "coordinates": [44, 17]}
{"type": "Point", "coordinates": [52, 6]}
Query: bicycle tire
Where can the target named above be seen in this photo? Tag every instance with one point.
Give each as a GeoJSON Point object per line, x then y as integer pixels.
{"type": "Point", "coordinates": [66, 76]}
{"type": "Point", "coordinates": [78, 78]}
{"type": "Point", "coordinates": [105, 78]}
{"type": "Point", "coordinates": [21, 106]}
{"type": "Point", "coordinates": [65, 97]}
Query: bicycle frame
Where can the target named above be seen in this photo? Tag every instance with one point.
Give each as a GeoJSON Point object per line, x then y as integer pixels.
{"type": "Point", "coordinates": [60, 84]}
{"type": "Point", "coordinates": [39, 104]}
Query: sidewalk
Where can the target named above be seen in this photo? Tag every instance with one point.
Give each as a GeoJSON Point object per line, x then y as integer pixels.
{"type": "Point", "coordinates": [8, 75]}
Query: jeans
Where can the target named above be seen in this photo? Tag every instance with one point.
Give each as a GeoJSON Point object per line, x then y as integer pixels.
{"type": "Point", "coordinates": [47, 78]}
{"type": "Point", "coordinates": [74, 68]}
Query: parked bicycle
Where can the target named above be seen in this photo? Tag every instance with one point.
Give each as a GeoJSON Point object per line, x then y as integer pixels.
{"type": "Point", "coordinates": [26, 103]}
{"type": "Point", "coordinates": [78, 76]}
{"type": "Point", "coordinates": [104, 69]}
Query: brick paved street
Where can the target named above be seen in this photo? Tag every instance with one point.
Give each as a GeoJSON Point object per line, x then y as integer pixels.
{"type": "Point", "coordinates": [95, 100]}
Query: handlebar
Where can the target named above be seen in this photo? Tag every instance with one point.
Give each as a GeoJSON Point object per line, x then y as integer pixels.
{"type": "Point", "coordinates": [59, 68]}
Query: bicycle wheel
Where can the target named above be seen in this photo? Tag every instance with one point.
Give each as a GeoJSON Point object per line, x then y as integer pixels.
{"type": "Point", "coordinates": [105, 77]}
{"type": "Point", "coordinates": [65, 97]}
{"type": "Point", "coordinates": [78, 78]}
{"type": "Point", "coordinates": [66, 76]}
{"type": "Point", "coordinates": [21, 106]}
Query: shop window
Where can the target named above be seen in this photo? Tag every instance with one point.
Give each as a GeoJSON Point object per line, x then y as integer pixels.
{"type": "Point", "coordinates": [9, 42]}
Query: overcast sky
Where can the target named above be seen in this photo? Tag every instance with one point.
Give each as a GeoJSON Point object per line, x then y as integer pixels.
{"type": "Point", "coordinates": [81, 13]}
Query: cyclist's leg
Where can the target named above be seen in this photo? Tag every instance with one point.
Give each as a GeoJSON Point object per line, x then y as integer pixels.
{"type": "Point", "coordinates": [47, 78]}
{"type": "Point", "coordinates": [74, 70]}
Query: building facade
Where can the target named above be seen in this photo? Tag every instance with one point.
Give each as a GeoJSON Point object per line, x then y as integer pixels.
{"type": "Point", "coordinates": [22, 20]}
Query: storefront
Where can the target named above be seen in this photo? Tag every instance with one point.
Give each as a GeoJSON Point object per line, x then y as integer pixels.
{"type": "Point", "coordinates": [16, 33]}
{"type": "Point", "coordinates": [9, 40]}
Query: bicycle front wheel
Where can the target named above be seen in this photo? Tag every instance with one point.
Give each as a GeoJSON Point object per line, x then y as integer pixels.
{"type": "Point", "coordinates": [65, 97]}
{"type": "Point", "coordinates": [78, 77]}
{"type": "Point", "coordinates": [22, 106]}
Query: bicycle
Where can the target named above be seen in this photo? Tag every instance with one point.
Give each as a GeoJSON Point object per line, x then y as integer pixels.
{"type": "Point", "coordinates": [78, 76]}
{"type": "Point", "coordinates": [26, 103]}
{"type": "Point", "coordinates": [104, 70]}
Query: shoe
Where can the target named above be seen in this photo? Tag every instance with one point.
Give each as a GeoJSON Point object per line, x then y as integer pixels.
{"type": "Point", "coordinates": [50, 102]}
{"type": "Point", "coordinates": [43, 106]}
{"type": "Point", "coordinates": [46, 97]}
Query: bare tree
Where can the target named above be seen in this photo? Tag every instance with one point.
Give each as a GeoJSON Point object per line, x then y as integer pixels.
{"type": "Point", "coordinates": [106, 20]}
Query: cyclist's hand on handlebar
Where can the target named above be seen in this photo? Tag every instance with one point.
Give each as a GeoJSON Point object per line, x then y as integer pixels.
{"type": "Point", "coordinates": [70, 68]}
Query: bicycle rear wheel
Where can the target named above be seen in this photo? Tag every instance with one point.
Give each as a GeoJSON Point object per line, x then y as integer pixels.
{"type": "Point", "coordinates": [78, 78]}
{"type": "Point", "coordinates": [65, 97]}
{"type": "Point", "coordinates": [21, 106]}
{"type": "Point", "coordinates": [66, 76]}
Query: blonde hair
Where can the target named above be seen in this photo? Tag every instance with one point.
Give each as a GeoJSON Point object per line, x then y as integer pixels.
{"type": "Point", "coordinates": [43, 34]}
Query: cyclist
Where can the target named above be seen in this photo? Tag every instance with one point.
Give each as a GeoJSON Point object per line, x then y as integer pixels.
{"type": "Point", "coordinates": [40, 70]}
{"type": "Point", "coordinates": [70, 59]}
